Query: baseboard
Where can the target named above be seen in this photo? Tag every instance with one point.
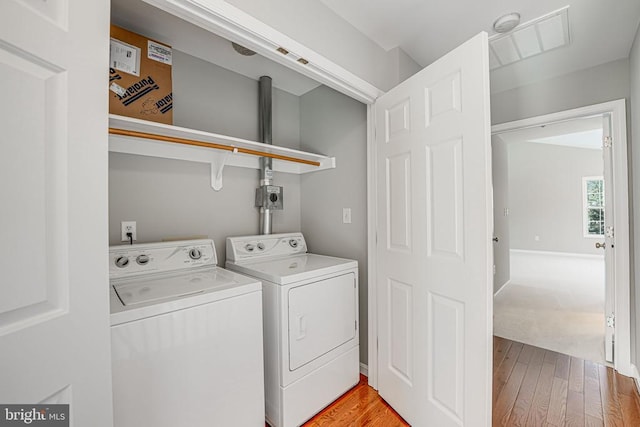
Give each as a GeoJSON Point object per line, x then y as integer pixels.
{"type": "Point", "coordinates": [502, 287]}
{"type": "Point", "coordinates": [364, 369]}
{"type": "Point", "coordinates": [555, 254]}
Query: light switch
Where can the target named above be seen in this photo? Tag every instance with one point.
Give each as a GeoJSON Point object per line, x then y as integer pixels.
{"type": "Point", "coordinates": [346, 215]}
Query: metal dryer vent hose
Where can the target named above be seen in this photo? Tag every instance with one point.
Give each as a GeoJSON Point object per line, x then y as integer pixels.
{"type": "Point", "coordinates": [265, 134]}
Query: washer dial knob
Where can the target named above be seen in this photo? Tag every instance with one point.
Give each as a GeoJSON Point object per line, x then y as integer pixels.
{"type": "Point", "coordinates": [195, 253]}
{"type": "Point", "coordinates": [249, 247]}
{"type": "Point", "coordinates": [122, 261]}
{"type": "Point", "coordinates": [142, 259]}
{"type": "Point", "coordinates": [261, 246]}
{"type": "Point", "coordinates": [293, 243]}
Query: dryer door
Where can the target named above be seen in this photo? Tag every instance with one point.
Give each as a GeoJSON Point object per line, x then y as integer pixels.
{"type": "Point", "coordinates": [322, 317]}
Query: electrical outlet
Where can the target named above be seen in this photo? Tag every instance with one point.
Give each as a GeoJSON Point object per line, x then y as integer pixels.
{"type": "Point", "coordinates": [346, 215]}
{"type": "Point", "coordinates": [128, 227]}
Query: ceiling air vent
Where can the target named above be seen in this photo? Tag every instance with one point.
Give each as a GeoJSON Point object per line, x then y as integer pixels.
{"type": "Point", "coordinates": [529, 39]}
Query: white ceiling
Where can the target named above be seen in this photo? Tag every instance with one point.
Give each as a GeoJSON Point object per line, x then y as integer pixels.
{"type": "Point", "coordinates": [578, 133]}
{"type": "Point", "coordinates": [600, 31]}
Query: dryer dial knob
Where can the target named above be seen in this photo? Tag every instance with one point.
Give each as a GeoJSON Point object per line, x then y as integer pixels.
{"type": "Point", "coordinates": [195, 253]}
{"type": "Point", "coordinates": [261, 246]}
{"type": "Point", "coordinates": [249, 247]}
{"type": "Point", "coordinates": [142, 259]}
{"type": "Point", "coordinates": [293, 243]}
{"type": "Point", "coordinates": [122, 261]}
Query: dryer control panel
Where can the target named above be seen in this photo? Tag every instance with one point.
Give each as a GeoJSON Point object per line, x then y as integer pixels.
{"type": "Point", "coordinates": [265, 246]}
{"type": "Point", "coordinates": [132, 260]}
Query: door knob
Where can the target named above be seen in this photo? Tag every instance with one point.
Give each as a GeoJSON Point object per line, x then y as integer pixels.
{"type": "Point", "coordinates": [600, 245]}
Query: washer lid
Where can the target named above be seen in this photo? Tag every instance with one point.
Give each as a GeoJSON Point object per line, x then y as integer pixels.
{"type": "Point", "coordinates": [149, 289]}
{"type": "Point", "coordinates": [168, 286]}
{"type": "Point", "coordinates": [154, 294]}
{"type": "Point", "coordinates": [293, 268]}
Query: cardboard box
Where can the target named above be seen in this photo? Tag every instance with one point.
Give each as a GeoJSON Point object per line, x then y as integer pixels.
{"type": "Point", "coordinates": [140, 77]}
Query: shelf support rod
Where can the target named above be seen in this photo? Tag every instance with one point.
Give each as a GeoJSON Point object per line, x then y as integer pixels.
{"type": "Point", "coordinates": [144, 135]}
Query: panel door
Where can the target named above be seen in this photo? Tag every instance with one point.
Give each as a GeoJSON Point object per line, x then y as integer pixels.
{"type": "Point", "coordinates": [434, 226]}
{"type": "Point", "coordinates": [322, 317]}
{"type": "Point", "coordinates": [54, 314]}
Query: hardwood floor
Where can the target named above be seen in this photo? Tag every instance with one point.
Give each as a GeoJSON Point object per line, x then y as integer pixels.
{"type": "Point", "coordinates": [531, 387]}
{"type": "Point", "coordinates": [537, 387]}
{"type": "Point", "coordinates": [360, 406]}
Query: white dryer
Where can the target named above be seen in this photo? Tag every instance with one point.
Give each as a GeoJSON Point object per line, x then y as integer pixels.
{"type": "Point", "coordinates": [186, 338]}
{"type": "Point", "coordinates": [310, 306]}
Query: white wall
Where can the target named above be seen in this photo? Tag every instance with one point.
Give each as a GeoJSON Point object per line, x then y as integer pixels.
{"type": "Point", "coordinates": [500, 177]}
{"type": "Point", "coordinates": [174, 199]}
{"type": "Point", "coordinates": [545, 196]}
{"type": "Point", "coordinates": [610, 81]}
{"type": "Point", "coordinates": [336, 125]}
{"type": "Point", "coordinates": [634, 61]}
{"type": "Point", "coordinates": [602, 83]}
{"type": "Point", "coordinates": [403, 66]}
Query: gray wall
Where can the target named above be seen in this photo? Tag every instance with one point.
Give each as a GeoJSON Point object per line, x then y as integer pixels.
{"type": "Point", "coordinates": [500, 176]}
{"type": "Point", "coordinates": [545, 196]}
{"type": "Point", "coordinates": [174, 199]}
{"type": "Point", "coordinates": [335, 125]}
{"type": "Point", "coordinates": [634, 60]}
{"type": "Point", "coordinates": [603, 83]}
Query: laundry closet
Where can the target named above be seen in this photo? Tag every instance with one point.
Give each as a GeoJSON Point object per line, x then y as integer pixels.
{"type": "Point", "coordinates": [174, 199]}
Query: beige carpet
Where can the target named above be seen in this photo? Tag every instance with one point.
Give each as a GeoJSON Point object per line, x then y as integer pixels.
{"type": "Point", "coordinates": [565, 314]}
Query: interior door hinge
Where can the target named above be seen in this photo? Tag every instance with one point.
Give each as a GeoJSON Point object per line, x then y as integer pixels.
{"type": "Point", "coordinates": [356, 324]}
{"type": "Point", "coordinates": [607, 142]}
{"type": "Point", "coordinates": [608, 231]}
{"type": "Point", "coordinates": [611, 321]}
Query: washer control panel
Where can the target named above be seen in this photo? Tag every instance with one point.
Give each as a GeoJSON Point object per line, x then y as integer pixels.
{"type": "Point", "coordinates": [131, 260]}
{"type": "Point", "coordinates": [265, 246]}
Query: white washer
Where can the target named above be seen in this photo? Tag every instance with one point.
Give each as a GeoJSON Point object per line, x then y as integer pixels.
{"type": "Point", "coordinates": [186, 338]}
{"type": "Point", "coordinates": [310, 304]}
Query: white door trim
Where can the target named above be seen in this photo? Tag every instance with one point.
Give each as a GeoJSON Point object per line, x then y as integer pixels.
{"type": "Point", "coordinates": [372, 240]}
{"type": "Point", "coordinates": [617, 109]}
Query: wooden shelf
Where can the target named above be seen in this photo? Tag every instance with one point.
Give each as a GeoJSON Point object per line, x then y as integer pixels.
{"type": "Point", "coordinates": [217, 150]}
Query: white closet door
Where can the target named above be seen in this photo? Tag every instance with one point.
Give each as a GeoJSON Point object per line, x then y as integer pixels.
{"type": "Point", "coordinates": [54, 314]}
{"type": "Point", "coordinates": [434, 242]}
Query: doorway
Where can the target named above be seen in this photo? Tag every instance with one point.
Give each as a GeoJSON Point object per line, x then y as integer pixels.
{"type": "Point", "coordinates": [549, 214]}
{"type": "Point", "coordinates": [561, 253]}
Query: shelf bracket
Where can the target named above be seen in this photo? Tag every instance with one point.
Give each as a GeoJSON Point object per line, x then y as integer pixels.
{"type": "Point", "coordinates": [217, 167]}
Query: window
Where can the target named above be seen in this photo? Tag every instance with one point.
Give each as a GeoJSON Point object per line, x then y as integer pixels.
{"type": "Point", "coordinates": [593, 206]}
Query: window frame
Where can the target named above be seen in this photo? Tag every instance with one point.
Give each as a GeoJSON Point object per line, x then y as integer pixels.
{"type": "Point", "coordinates": [586, 207]}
